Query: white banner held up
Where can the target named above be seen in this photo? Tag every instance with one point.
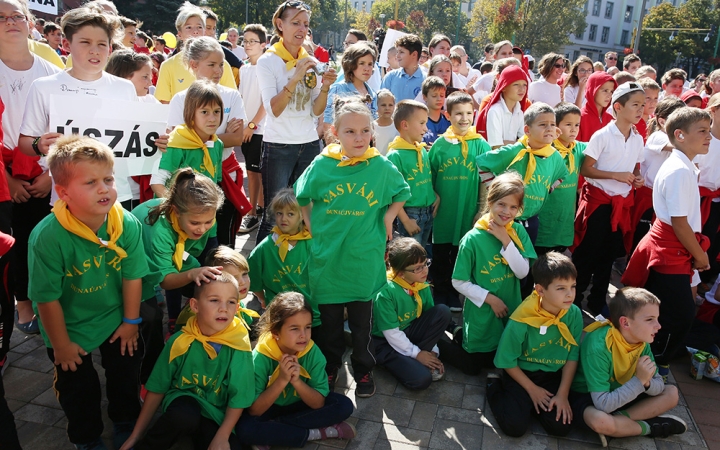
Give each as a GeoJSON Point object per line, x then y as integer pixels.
{"type": "Point", "coordinates": [390, 37]}
{"type": "Point", "coordinates": [44, 6]}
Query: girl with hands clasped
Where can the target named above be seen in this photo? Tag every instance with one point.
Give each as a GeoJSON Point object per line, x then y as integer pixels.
{"type": "Point", "coordinates": [493, 257]}
{"type": "Point", "coordinates": [294, 404]}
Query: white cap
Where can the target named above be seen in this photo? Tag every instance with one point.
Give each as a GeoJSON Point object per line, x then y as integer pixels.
{"type": "Point", "coordinates": [625, 88]}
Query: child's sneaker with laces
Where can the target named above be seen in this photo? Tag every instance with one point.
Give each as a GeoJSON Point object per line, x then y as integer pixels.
{"type": "Point", "coordinates": [249, 223]}
{"type": "Point", "coordinates": [365, 386]}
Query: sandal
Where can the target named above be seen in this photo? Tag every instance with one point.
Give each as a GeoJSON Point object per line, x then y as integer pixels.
{"type": "Point", "coordinates": [31, 327]}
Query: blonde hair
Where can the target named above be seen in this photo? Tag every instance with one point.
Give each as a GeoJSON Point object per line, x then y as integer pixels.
{"type": "Point", "coordinates": [643, 71]}
{"type": "Point", "coordinates": [225, 256]}
{"type": "Point", "coordinates": [68, 151]}
{"type": "Point", "coordinates": [22, 5]}
{"type": "Point", "coordinates": [199, 48]}
{"type": "Point", "coordinates": [508, 183]}
{"type": "Point", "coordinates": [285, 198]}
{"type": "Point", "coordinates": [280, 13]}
{"type": "Point", "coordinates": [713, 103]}
{"type": "Point", "coordinates": [222, 278]}
{"type": "Point", "coordinates": [186, 11]}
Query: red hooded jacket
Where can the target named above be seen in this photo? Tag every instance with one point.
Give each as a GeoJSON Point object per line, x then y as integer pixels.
{"type": "Point", "coordinates": [507, 77]}
{"type": "Point", "coordinates": [590, 121]}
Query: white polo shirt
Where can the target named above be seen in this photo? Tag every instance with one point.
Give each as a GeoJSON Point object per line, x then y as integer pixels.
{"type": "Point", "coordinates": [613, 153]}
{"type": "Point", "coordinates": [675, 192]}
{"type": "Point", "coordinates": [654, 156]}
{"type": "Point", "coordinates": [543, 91]}
{"type": "Point", "coordinates": [709, 166]}
{"type": "Point", "coordinates": [503, 124]}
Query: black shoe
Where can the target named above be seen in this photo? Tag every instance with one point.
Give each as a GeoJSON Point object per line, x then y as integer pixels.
{"type": "Point", "coordinates": [249, 223]}
{"type": "Point", "coordinates": [666, 425]}
{"type": "Point", "coordinates": [365, 386]}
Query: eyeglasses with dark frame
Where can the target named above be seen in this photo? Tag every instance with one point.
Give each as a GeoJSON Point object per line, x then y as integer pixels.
{"type": "Point", "coordinates": [419, 270]}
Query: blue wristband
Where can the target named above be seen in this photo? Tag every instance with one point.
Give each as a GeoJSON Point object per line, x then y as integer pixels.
{"type": "Point", "coordinates": [132, 321]}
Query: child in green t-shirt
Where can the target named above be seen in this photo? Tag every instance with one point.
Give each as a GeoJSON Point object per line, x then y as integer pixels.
{"type": "Point", "coordinates": [278, 262]}
{"type": "Point", "coordinates": [557, 216]}
{"type": "Point", "coordinates": [293, 401]}
{"type": "Point", "coordinates": [86, 264]}
{"type": "Point", "coordinates": [539, 351]}
{"type": "Point", "coordinates": [408, 153]}
{"type": "Point", "coordinates": [350, 196]}
{"type": "Point", "coordinates": [617, 390]}
{"type": "Point", "coordinates": [492, 259]}
{"type": "Point", "coordinates": [204, 377]}
{"type": "Point", "coordinates": [406, 322]}
{"type": "Point", "coordinates": [455, 180]}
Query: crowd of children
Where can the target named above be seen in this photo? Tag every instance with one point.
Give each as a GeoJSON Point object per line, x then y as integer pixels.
{"type": "Point", "coordinates": [520, 205]}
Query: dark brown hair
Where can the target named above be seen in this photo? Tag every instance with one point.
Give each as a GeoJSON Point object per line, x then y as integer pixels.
{"type": "Point", "coordinates": [188, 191]}
{"type": "Point", "coordinates": [124, 63]}
{"type": "Point", "coordinates": [406, 108]}
{"type": "Point", "coordinates": [507, 183]}
{"type": "Point", "coordinates": [457, 98]}
{"type": "Point", "coordinates": [201, 93]}
{"type": "Point", "coordinates": [351, 56]}
{"type": "Point", "coordinates": [553, 266]}
{"type": "Point", "coordinates": [281, 308]}
{"type": "Point", "coordinates": [573, 79]}
{"type": "Point", "coordinates": [403, 252]}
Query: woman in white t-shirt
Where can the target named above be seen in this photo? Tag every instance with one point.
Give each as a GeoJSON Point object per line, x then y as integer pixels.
{"type": "Point", "coordinates": [29, 183]}
{"type": "Point", "coordinates": [546, 88]}
{"type": "Point", "coordinates": [294, 98]}
{"type": "Point", "coordinates": [574, 88]}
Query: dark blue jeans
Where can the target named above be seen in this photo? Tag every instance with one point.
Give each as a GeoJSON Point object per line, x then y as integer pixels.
{"type": "Point", "coordinates": [424, 218]}
{"type": "Point", "coordinates": [281, 166]}
{"type": "Point", "coordinates": [288, 426]}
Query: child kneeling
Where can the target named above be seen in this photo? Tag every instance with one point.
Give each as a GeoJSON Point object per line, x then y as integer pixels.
{"type": "Point", "coordinates": [294, 404]}
{"type": "Point", "coordinates": [617, 390]}
{"type": "Point", "coordinates": [539, 352]}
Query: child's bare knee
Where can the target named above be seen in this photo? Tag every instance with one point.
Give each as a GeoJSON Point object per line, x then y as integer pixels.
{"type": "Point", "coordinates": [600, 422]}
{"type": "Point", "coordinates": [672, 394]}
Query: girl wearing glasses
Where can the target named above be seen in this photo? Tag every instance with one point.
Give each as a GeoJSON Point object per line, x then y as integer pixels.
{"type": "Point", "coordinates": [406, 322]}
{"type": "Point", "coordinates": [546, 89]}
{"type": "Point", "coordinates": [294, 94]}
{"type": "Point", "coordinates": [575, 84]}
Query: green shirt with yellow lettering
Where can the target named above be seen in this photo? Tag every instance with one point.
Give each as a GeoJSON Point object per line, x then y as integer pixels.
{"type": "Point", "coordinates": [557, 216]}
{"type": "Point", "coordinates": [160, 240]}
{"type": "Point", "coordinates": [85, 277]}
{"type": "Point", "coordinates": [523, 346]}
{"type": "Point", "coordinates": [479, 261]}
{"type": "Point", "coordinates": [420, 182]}
{"type": "Point", "coordinates": [394, 308]}
{"type": "Point", "coordinates": [216, 384]}
{"type": "Point", "coordinates": [455, 181]}
{"type": "Point", "coordinates": [271, 275]}
{"type": "Point", "coordinates": [177, 158]}
{"type": "Point", "coordinates": [347, 252]}
{"type": "Point", "coordinates": [547, 172]}
{"type": "Point", "coordinates": [314, 362]}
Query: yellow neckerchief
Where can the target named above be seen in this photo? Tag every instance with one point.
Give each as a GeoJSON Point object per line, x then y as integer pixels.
{"type": "Point", "coordinates": [269, 347]}
{"type": "Point", "coordinates": [234, 336]}
{"type": "Point", "coordinates": [545, 151]}
{"type": "Point", "coordinates": [469, 136]}
{"type": "Point", "coordinates": [401, 144]}
{"type": "Point", "coordinates": [185, 138]}
{"type": "Point", "coordinates": [335, 151]}
{"type": "Point", "coordinates": [566, 151]}
{"type": "Point", "coordinates": [414, 288]}
{"type": "Point", "coordinates": [484, 222]}
{"type": "Point", "coordinates": [73, 225]}
{"type": "Point", "coordinates": [290, 61]}
{"type": "Point", "coordinates": [283, 240]}
{"type": "Point", "coordinates": [624, 355]}
{"type": "Point", "coordinates": [531, 313]}
{"type": "Point", "coordinates": [182, 237]}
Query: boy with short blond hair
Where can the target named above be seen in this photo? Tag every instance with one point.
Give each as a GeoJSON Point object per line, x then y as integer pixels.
{"type": "Point", "coordinates": [433, 93]}
{"type": "Point", "coordinates": [617, 391]}
{"type": "Point", "coordinates": [407, 152]}
{"type": "Point", "coordinates": [86, 266]}
{"type": "Point", "coordinates": [455, 180]}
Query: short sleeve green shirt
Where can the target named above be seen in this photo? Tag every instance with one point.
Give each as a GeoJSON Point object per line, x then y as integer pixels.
{"type": "Point", "coordinates": [456, 182]}
{"type": "Point", "coordinates": [177, 158]}
{"type": "Point", "coordinates": [557, 216]}
{"type": "Point", "coordinates": [347, 252]}
{"type": "Point", "coordinates": [85, 277]}
{"type": "Point", "coordinates": [595, 372]}
{"type": "Point", "coordinates": [420, 182]}
{"type": "Point", "coordinates": [314, 362]}
{"type": "Point", "coordinates": [216, 384]}
{"type": "Point", "coordinates": [479, 261]}
{"type": "Point", "coordinates": [547, 172]}
{"type": "Point", "coordinates": [394, 307]}
{"type": "Point", "coordinates": [522, 345]}
{"type": "Point", "coordinates": [271, 275]}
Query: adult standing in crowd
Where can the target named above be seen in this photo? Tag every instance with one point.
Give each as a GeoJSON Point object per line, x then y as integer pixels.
{"type": "Point", "coordinates": [546, 88]}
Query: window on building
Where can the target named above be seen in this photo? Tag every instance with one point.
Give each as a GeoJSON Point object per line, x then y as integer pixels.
{"type": "Point", "coordinates": [589, 55]}
{"type": "Point", "coordinates": [624, 38]}
{"type": "Point", "coordinates": [576, 55]}
{"type": "Point", "coordinates": [609, 10]}
{"type": "Point", "coordinates": [586, 6]}
{"type": "Point", "coordinates": [604, 35]}
{"type": "Point", "coordinates": [581, 36]}
{"type": "Point", "coordinates": [356, 5]}
{"type": "Point", "coordinates": [628, 14]}
{"type": "Point", "coordinates": [593, 33]}
{"type": "Point", "coordinates": [596, 7]}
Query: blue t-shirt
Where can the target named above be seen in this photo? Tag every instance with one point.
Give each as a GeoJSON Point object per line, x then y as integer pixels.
{"type": "Point", "coordinates": [435, 129]}
{"type": "Point", "coordinates": [402, 85]}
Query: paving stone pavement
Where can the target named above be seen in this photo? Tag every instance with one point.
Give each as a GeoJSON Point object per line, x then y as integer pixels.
{"type": "Point", "coordinates": [451, 414]}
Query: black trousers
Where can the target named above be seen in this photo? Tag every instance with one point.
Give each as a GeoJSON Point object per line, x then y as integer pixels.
{"type": "Point", "coordinates": [444, 257]}
{"type": "Point", "coordinates": [8, 432]}
{"type": "Point", "coordinates": [151, 332]}
{"type": "Point", "coordinates": [514, 409]}
{"type": "Point", "coordinates": [331, 341]}
{"type": "Point", "coordinates": [182, 418]}
{"type": "Point", "coordinates": [226, 219]}
{"type": "Point", "coordinates": [677, 312]}
{"type": "Point", "coordinates": [25, 217]}
{"type": "Point", "coordinates": [469, 363]}
{"type": "Point", "coordinates": [594, 258]}
{"type": "Point", "coordinates": [424, 332]}
{"type": "Point", "coordinates": [79, 392]}
{"type": "Point", "coordinates": [710, 229]}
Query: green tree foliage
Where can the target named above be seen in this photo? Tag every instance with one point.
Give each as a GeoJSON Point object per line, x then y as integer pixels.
{"type": "Point", "coordinates": [157, 16]}
{"type": "Point", "coordinates": [538, 26]}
